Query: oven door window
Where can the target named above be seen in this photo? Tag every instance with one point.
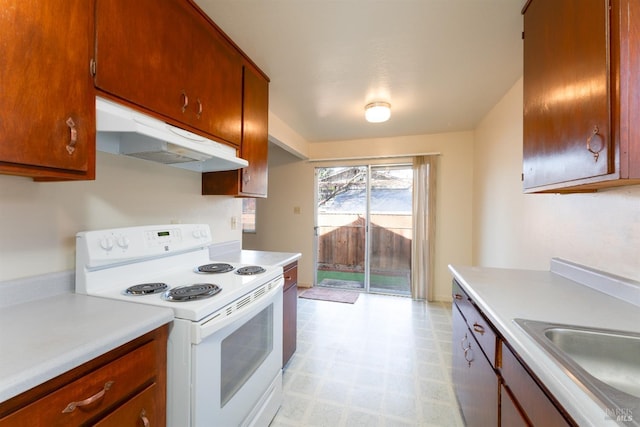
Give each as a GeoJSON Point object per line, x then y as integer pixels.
{"type": "Point", "coordinates": [244, 351]}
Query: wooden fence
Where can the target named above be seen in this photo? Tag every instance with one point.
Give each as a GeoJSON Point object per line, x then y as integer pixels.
{"type": "Point", "coordinates": [342, 248]}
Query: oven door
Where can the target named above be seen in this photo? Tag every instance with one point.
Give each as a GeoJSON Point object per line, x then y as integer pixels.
{"type": "Point", "coordinates": [236, 367]}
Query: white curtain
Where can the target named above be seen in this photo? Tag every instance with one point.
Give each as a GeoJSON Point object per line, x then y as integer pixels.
{"type": "Point", "coordinates": [422, 249]}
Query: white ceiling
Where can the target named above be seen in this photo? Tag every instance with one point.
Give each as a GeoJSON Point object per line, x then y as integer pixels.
{"type": "Point", "coordinates": [442, 64]}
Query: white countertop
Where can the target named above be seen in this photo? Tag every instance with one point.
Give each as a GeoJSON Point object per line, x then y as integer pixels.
{"type": "Point", "coordinates": [42, 339]}
{"type": "Point", "coordinates": [505, 294]}
{"type": "Point", "coordinates": [264, 257]}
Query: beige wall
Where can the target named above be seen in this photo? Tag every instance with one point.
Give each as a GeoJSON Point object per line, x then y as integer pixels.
{"type": "Point", "coordinates": [482, 215]}
{"type": "Point", "coordinates": [38, 221]}
{"type": "Point", "coordinates": [512, 229]}
{"type": "Point", "coordinates": [291, 184]}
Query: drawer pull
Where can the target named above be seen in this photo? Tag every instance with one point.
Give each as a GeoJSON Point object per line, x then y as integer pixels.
{"type": "Point", "coordinates": [457, 296]}
{"type": "Point", "coordinates": [88, 401]}
{"type": "Point", "coordinates": [287, 277]}
{"type": "Point", "coordinates": [478, 328]}
{"type": "Point", "coordinates": [145, 420]}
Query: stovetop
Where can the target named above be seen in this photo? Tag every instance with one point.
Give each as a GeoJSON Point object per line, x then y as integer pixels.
{"type": "Point", "coordinates": [110, 261]}
{"type": "Point", "coordinates": [232, 286]}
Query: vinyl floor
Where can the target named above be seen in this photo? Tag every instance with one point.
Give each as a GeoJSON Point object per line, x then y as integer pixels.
{"type": "Point", "coordinates": [383, 361]}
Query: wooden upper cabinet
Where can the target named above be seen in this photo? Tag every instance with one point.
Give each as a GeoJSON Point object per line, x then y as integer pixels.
{"type": "Point", "coordinates": [252, 180]}
{"type": "Point", "coordinates": [47, 113]}
{"type": "Point", "coordinates": [169, 59]}
{"type": "Point", "coordinates": [580, 95]}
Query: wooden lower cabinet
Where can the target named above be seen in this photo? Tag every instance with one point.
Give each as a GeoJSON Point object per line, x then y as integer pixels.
{"type": "Point", "coordinates": [290, 311]}
{"type": "Point", "coordinates": [125, 387]}
{"type": "Point", "coordinates": [492, 386]}
{"type": "Point", "coordinates": [475, 381]}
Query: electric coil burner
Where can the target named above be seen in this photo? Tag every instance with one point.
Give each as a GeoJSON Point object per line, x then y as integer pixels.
{"type": "Point", "coordinates": [197, 291]}
{"type": "Point", "coordinates": [218, 267]}
{"type": "Point", "coordinates": [146, 288]}
{"type": "Point", "coordinates": [250, 270]}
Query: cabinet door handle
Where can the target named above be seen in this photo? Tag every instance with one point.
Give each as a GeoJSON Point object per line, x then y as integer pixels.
{"type": "Point", "coordinates": [144, 419]}
{"type": "Point", "coordinates": [596, 153]}
{"type": "Point", "coordinates": [89, 400]}
{"type": "Point", "coordinates": [73, 136]}
{"type": "Point", "coordinates": [478, 328]}
{"type": "Point", "coordinates": [468, 355]}
{"type": "Point", "coordinates": [457, 296]}
{"type": "Point", "coordinates": [199, 113]}
{"type": "Point", "coordinates": [185, 101]}
{"type": "Point", "coordinates": [462, 343]}
{"type": "Point", "coordinates": [287, 277]}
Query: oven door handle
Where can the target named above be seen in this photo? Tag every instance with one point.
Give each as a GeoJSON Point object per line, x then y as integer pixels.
{"type": "Point", "coordinates": [221, 319]}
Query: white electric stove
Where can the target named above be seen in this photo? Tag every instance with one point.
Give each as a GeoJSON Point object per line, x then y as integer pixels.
{"type": "Point", "coordinates": [225, 344]}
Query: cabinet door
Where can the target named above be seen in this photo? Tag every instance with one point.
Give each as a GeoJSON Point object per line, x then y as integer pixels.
{"type": "Point", "coordinates": [534, 402]}
{"type": "Point", "coordinates": [216, 81]}
{"type": "Point", "coordinates": [510, 414]}
{"type": "Point", "coordinates": [141, 53]}
{"type": "Point", "coordinates": [255, 133]}
{"type": "Point", "coordinates": [174, 64]}
{"type": "Point", "coordinates": [47, 124]}
{"type": "Point", "coordinates": [475, 382]}
{"type": "Point", "coordinates": [567, 92]}
{"type": "Point", "coordinates": [252, 180]}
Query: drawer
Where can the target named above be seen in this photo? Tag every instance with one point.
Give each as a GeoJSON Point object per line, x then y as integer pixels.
{"type": "Point", "coordinates": [479, 326]}
{"type": "Point", "coordinates": [531, 398]}
{"type": "Point", "coordinates": [290, 275]}
{"type": "Point", "coordinates": [100, 390]}
{"type": "Point", "coordinates": [139, 411]}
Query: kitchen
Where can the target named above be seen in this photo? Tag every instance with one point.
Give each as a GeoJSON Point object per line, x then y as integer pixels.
{"type": "Point", "coordinates": [484, 217]}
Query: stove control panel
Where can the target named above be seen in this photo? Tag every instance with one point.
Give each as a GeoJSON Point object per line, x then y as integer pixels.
{"type": "Point", "coordinates": [104, 247]}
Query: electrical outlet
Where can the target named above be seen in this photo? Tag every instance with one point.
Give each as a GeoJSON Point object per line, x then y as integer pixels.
{"type": "Point", "coordinates": [234, 223]}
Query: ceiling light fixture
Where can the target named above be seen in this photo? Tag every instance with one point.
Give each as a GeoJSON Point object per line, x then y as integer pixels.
{"type": "Point", "coordinates": [377, 112]}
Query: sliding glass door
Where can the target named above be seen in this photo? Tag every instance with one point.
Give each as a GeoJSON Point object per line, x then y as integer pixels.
{"type": "Point", "coordinates": [364, 228]}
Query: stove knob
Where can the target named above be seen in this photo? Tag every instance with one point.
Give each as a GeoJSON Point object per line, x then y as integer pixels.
{"type": "Point", "coordinates": [199, 234]}
{"type": "Point", "coordinates": [123, 242]}
{"type": "Point", "coordinates": [106, 243]}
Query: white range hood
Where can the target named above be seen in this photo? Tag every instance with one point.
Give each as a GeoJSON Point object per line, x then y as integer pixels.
{"type": "Point", "coordinates": [122, 130]}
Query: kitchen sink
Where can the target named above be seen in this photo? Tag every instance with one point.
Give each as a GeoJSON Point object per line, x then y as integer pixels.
{"type": "Point", "coordinates": [605, 363]}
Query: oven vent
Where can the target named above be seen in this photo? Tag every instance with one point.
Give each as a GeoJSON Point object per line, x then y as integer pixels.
{"type": "Point", "coordinates": [260, 292]}
{"type": "Point", "coordinates": [242, 302]}
{"type": "Point", "coordinates": [239, 305]}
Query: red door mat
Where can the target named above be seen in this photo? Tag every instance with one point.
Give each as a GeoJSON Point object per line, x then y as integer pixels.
{"type": "Point", "coordinates": [327, 294]}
